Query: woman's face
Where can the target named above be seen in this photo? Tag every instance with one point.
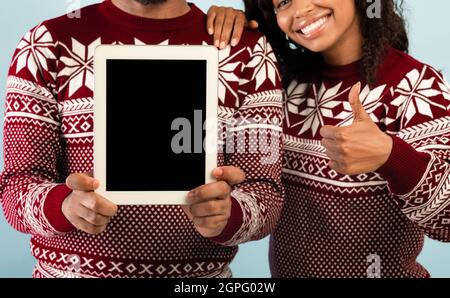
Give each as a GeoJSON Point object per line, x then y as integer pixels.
{"type": "Point", "coordinates": [318, 25]}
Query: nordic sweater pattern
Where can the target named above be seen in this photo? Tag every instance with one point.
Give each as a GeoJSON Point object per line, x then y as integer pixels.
{"type": "Point", "coordinates": [48, 134]}
{"type": "Point", "coordinates": [373, 224]}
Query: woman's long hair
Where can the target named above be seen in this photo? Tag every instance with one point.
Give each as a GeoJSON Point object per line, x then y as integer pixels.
{"type": "Point", "coordinates": [390, 29]}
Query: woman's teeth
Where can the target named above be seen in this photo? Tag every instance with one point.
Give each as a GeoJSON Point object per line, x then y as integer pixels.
{"type": "Point", "coordinates": [314, 26]}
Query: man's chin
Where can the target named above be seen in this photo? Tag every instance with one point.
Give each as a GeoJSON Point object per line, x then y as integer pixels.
{"type": "Point", "coordinates": [148, 2]}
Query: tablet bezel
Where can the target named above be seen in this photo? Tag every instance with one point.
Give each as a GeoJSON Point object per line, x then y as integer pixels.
{"type": "Point", "coordinates": [152, 52]}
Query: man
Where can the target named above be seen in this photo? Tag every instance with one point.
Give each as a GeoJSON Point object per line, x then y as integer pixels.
{"type": "Point", "coordinates": [48, 142]}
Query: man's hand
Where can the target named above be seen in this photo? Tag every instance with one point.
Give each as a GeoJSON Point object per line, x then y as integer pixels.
{"type": "Point", "coordinates": [210, 204]}
{"type": "Point", "coordinates": [86, 210]}
{"type": "Point", "coordinates": [359, 148]}
{"type": "Point", "coordinates": [224, 22]}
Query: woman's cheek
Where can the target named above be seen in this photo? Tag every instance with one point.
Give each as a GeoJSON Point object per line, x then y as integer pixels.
{"type": "Point", "coordinates": [283, 23]}
{"type": "Point", "coordinates": [323, 3]}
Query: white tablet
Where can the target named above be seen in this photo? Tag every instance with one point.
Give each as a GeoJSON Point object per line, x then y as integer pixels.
{"type": "Point", "coordinates": [155, 122]}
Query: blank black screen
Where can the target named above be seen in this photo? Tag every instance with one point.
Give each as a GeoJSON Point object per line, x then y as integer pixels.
{"type": "Point", "coordinates": [143, 98]}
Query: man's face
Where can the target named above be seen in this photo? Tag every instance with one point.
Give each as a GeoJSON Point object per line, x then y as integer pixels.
{"type": "Point", "coordinates": [147, 2]}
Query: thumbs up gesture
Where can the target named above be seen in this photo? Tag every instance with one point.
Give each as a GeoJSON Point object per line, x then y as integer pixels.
{"type": "Point", "coordinates": [360, 147]}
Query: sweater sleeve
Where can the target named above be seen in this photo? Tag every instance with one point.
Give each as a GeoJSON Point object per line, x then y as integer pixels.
{"type": "Point", "coordinates": [30, 188]}
{"type": "Point", "coordinates": [254, 144]}
{"type": "Point", "coordinates": [418, 169]}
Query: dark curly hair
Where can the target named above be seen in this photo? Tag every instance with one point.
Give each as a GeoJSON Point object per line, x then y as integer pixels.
{"type": "Point", "coordinates": [297, 63]}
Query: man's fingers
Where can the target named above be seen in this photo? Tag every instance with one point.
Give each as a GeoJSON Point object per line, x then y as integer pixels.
{"type": "Point", "coordinates": [99, 204]}
{"type": "Point", "coordinates": [82, 181]}
{"type": "Point", "coordinates": [209, 208]}
{"type": "Point", "coordinates": [85, 226]}
{"type": "Point", "coordinates": [232, 175]}
{"type": "Point", "coordinates": [211, 191]}
{"type": "Point", "coordinates": [210, 222]}
{"type": "Point", "coordinates": [187, 210]}
{"type": "Point", "coordinates": [92, 217]}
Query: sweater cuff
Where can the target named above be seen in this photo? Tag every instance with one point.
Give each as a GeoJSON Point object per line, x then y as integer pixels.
{"type": "Point", "coordinates": [234, 223]}
{"type": "Point", "coordinates": [404, 168]}
{"type": "Point", "coordinates": [53, 211]}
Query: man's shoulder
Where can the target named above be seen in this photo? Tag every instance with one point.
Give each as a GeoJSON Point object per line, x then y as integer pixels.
{"type": "Point", "coordinates": [252, 39]}
{"type": "Point", "coordinates": [253, 45]}
{"type": "Point", "coordinates": [73, 20]}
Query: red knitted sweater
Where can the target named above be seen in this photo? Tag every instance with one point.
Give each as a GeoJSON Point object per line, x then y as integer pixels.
{"type": "Point", "coordinates": [48, 135]}
{"type": "Point", "coordinates": [372, 224]}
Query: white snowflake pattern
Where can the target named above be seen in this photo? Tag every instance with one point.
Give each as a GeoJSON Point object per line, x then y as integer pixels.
{"type": "Point", "coordinates": [79, 63]}
{"type": "Point", "coordinates": [139, 42]}
{"type": "Point", "coordinates": [227, 73]}
{"type": "Point", "coordinates": [78, 66]}
{"type": "Point", "coordinates": [227, 69]}
{"type": "Point", "coordinates": [295, 96]}
{"type": "Point", "coordinates": [34, 51]}
{"type": "Point", "coordinates": [415, 93]}
{"type": "Point", "coordinates": [443, 84]}
{"type": "Point", "coordinates": [263, 61]}
{"type": "Point", "coordinates": [370, 99]}
{"type": "Point", "coordinates": [317, 108]}
{"type": "Point", "coordinates": [445, 87]}
{"type": "Point", "coordinates": [325, 104]}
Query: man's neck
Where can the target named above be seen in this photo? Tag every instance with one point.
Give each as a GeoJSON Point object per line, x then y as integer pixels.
{"type": "Point", "coordinates": [166, 10]}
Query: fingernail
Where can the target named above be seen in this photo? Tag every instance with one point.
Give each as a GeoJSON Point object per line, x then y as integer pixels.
{"type": "Point", "coordinates": [218, 172]}
{"type": "Point", "coordinates": [222, 45]}
{"type": "Point", "coordinates": [216, 43]}
{"type": "Point", "coordinates": [233, 42]}
{"type": "Point", "coordinates": [95, 183]}
{"type": "Point", "coordinates": [210, 31]}
{"type": "Point", "coordinates": [191, 195]}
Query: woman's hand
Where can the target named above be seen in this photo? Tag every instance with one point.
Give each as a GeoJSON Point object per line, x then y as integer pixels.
{"type": "Point", "coordinates": [359, 148]}
{"type": "Point", "coordinates": [227, 25]}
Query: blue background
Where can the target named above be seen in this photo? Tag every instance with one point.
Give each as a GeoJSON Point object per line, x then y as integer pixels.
{"type": "Point", "coordinates": [429, 28]}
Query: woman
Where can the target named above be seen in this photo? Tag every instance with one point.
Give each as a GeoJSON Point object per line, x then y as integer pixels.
{"type": "Point", "coordinates": [367, 128]}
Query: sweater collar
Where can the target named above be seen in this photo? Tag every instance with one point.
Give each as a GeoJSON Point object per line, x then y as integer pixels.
{"type": "Point", "coordinates": [355, 69]}
{"type": "Point", "coordinates": [341, 71]}
{"type": "Point", "coordinates": [193, 17]}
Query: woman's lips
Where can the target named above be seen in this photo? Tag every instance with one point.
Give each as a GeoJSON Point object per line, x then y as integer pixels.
{"type": "Point", "coordinates": [311, 29]}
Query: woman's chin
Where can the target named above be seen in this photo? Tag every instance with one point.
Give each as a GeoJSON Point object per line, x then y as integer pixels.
{"type": "Point", "coordinates": [316, 48]}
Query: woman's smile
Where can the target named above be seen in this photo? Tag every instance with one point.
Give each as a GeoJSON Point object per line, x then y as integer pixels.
{"type": "Point", "coordinates": [312, 27]}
